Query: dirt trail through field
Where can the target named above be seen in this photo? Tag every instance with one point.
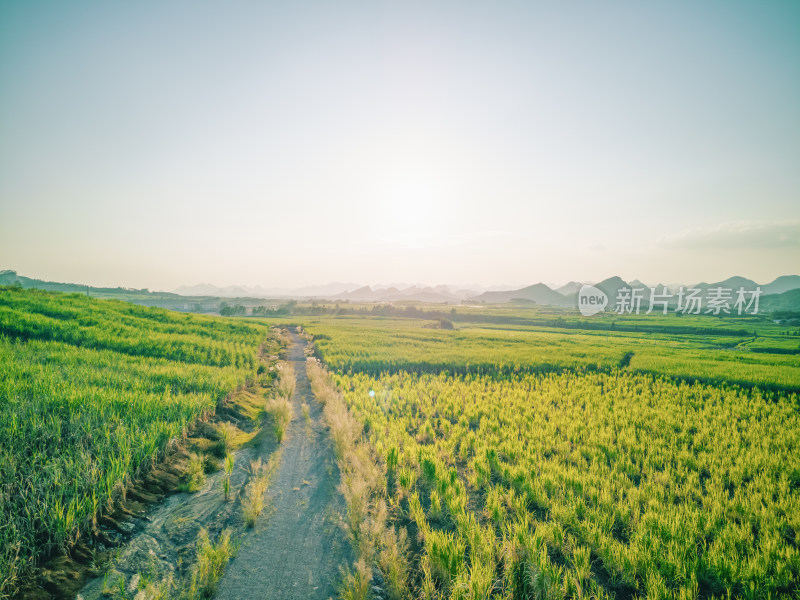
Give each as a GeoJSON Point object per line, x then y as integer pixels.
{"type": "Point", "coordinates": [297, 548]}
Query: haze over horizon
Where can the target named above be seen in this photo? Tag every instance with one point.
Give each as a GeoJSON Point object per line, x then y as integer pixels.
{"type": "Point", "coordinates": [166, 144]}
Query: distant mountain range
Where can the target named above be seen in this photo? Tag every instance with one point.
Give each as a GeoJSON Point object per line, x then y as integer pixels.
{"type": "Point", "coordinates": [780, 294]}
{"type": "Point", "coordinates": [782, 284]}
{"type": "Point", "coordinates": [772, 293]}
{"type": "Point", "coordinates": [352, 292]}
{"type": "Point", "coordinates": [538, 293]}
{"type": "Point", "coordinates": [240, 291]}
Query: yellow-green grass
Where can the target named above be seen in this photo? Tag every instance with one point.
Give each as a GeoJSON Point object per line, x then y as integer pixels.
{"type": "Point", "coordinates": [376, 345]}
{"type": "Point", "coordinates": [672, 490]}
{"type": "Point", "coordinates": [533, 461]}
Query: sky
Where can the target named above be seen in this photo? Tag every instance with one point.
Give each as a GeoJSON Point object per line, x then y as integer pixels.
{"type": "Point", "coordinates": [158, 143]}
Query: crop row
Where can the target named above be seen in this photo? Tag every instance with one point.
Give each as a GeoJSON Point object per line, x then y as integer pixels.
{"type": "Point", "coordinates": [600, 483]}
{"type": "Point", "coordinates": [84, 407]}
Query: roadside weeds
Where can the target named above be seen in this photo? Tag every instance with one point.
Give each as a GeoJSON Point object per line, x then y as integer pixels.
{"type": "Point", "coordinates": [381, 566]}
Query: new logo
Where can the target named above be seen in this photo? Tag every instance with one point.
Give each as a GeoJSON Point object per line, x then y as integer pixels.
{"type": "Point", "coordinates": [591, 300]}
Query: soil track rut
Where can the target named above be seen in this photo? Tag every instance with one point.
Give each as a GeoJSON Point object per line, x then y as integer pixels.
{"type": "Point", "coordinates": [297, 546]}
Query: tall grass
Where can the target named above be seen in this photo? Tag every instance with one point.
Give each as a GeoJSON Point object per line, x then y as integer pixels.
{"type": "Point", "coordinates": [571, 481]}
{"type": "Point", "coordinates": [226, 481]}
{"type": "Point", "coordinates": [253, 499]}
{"type": "Point", "coordinates": [281, 412]}
{"type": "Point", "coordinates": [195, 476]}
{"type": "Point", "coordinates": [91, 392]}
{"type": "Point", "coordinates": [227, 434]}
{"type": "Point", "coordinates": [530, 466]}
{"type": "Point", "coordinates": [287, 380]}
{"type": "Point", "coordinates": [363, 485]}
{"type": "Point", "coordinates": [356, 582]}
{"type": "Point", "coordinates": [378, 346]}
{"type": "Point", "coordinates": [212, 558]}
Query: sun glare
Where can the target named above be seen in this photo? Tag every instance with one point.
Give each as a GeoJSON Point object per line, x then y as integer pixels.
{"type": "Point", "coordinates": [412, 214]}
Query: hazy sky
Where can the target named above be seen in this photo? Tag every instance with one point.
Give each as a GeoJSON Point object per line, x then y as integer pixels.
{"type": "Point", "coordinates": [155, 144]}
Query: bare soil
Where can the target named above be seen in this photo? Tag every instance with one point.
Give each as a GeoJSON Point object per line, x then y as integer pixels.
{"type": "Point", "coordinates": [297, 550]}
{"type": "Point", "coordinates": [161, 542]}
{"type": "Point", "coordinates": [153, 528]}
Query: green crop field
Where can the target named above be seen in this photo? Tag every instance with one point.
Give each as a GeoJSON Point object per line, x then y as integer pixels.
{"type": "Point", "coordinates": [532, 460]}
{"type": "Point", "coordinates": [375, 345]}
{"type": "Point", "coordinates": [90, 391]}
{"type": "Point", "coordinates": [524, 452]}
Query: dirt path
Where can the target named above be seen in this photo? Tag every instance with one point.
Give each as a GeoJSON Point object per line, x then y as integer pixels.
{"type": "Point", "coordinates": [296, 548]}
{"type": "Point", "coordinates": [163, 540]}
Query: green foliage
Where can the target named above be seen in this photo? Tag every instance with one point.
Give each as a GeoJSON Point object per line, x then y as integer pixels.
{"type": "Point", "coordinates": [127, 329]}
{"type": "Point", "coordinates": [195, 473]}
{"type": "Point", "coordinates": [212, 558]}
{"type": "Point", "coordinates": [226, 481]}
{"type": "Point", "coordinates": [90, 392]}
{"type": "Point", "coordinates": [226, 433]}
{"type": "Point", "coordinates": [667, 485]}
{"type": "Point", "coordinates": [253, 500]}
{"type": "Point", "coordinates": [378, 346]}
{"type": "Point", "coordinates": [237, 310]}
{"type": "Point", "coordinates": [281, 411]}
{"type": "Point", "coordinates": [537, 463]}
{"type": "Point", "coordinates": [355, 583]}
